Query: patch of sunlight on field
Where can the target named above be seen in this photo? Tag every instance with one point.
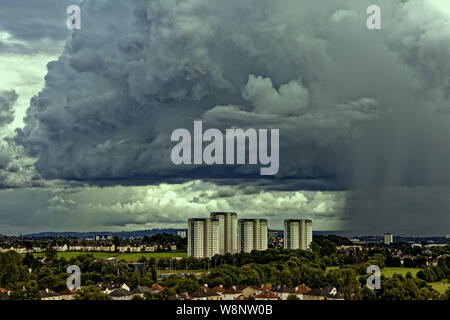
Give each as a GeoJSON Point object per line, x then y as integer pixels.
{"type": "Point", "coordinates": [440, 286]}
{"type": "Point", "coordinates": [388, 272]}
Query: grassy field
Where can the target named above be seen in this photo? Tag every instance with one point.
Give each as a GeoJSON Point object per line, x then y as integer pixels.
{"type": "Point", "coordinates": [388, 272]}
{"type": "Point", "coordinates": [440, 286]}
{"type": "Point", "coordinates": [128, 257]}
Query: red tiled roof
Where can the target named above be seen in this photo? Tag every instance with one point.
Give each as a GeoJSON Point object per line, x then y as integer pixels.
{"type": "Point", "coordinates": [157, 287]}
{"type": "Point", "coordinates": [301, 289]}
{"type": "Point", "coordinates": [66, 292]}
{"type": "Point", "coordinates": [218, 289]}
{"type": "Point", "coordinates": [267, 295]}
{"type": "Point", "coordinates": [241, 297]}
{"type": "Point", "coordinates": [231, 291]}
{"type": "Point", "coordinates": [265, 288]}
{"type": "Point", "coordinates": [3, 290]}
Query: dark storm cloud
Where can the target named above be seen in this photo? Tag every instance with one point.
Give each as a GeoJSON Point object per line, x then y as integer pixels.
{"type": "Point", "coordinates": [119, 89]}
{"type": "Point", "coordinates": [356, 109]}
{"type": "Point", "coordinates": [33, 25]}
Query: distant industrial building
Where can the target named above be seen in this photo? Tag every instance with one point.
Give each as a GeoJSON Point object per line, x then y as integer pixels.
{"type": "Point", "coordinates": [203, 237]}
{"type": "Point", "coordinates": [297, 234]}
{"type": "Point", "coordinates": [447, 236]}
{"type": "Point", "coordinates": [228, 241]}
{"type": "Point", "coordinates": [388, 238]}
{"type": "Point", "coordinates": [252, 234]}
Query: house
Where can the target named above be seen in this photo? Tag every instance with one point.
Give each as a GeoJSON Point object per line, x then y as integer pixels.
{"type": "Point", "coordinates": [205, 293]}
{"type": "Point", "coordinates": [120, 294]}
{"type": "Point", "coordinates": [263, 288]}
{"type": "Point", "coordinates": [181, 296]}
{"type": "Point", "coordinates": [140, 291]}
{"type": "Point", "coordinates": [331, 293]}
{"type": "Point", "coordinates": [150, 248]}
{"type": "Point", "coordinates": [49, 294]}
{"type": "Point", "coordinates": [249, 291]}
{"type": "Point", "coordinates": [67, 294]}
{"type": "Point", "coordinates": [282, 291]}
{"type": "Point", "coordinates": [156, 288]}
{"type": "Point", "coordinates": [124, 286]}
{"type": "Point", "coordinates": [218, 289]}
{"type": "Point", "coordinates": [123, 248]}
{"type": "Point", "coordinates": [301, 290]}
{"type": "Point", "coordinates": [105, 287]}
{"type": "Point", "coordinates": [314, 294]}
{"type": "Point", "coordinates": [267, 295]}
{"type": "Point", "coordinates": [231, 293]}
{"type": "Point", "coordinates": [63, 248]}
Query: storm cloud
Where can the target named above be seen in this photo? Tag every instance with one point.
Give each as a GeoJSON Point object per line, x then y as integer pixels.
{"type": "Point", "coordinates": [358, 109]}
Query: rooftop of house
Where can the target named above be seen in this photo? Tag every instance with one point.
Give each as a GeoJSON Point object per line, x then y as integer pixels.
{"type": "Point", "coordinates": [267, 295]}
{"type": "Point", "coordinates": [141, 289]}
{"type": "Point", "coordinates": [282, 289]}
{"type": "Point", "coordinates": [231, 290]}
{"type": "Point", "coordinates": [218, 289]}
{"type": "Point", "coordinates": [204, 292]}
{"type": "Point", "coordinates": [47, 293]}
{"type": "Point", "coordinates": [66, 292]}
{"type": "Point", "coordinates": [181, 296]}
{"type": "Point", "coordinates": [119, 293]}
{"type": "Point", "coordinates": [301, 289]}
{"type": "Point", "coordinates": [157, 287]}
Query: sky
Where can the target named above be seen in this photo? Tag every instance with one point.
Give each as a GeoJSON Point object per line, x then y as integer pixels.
{"type": "Point", "coordinates": [86, 115]}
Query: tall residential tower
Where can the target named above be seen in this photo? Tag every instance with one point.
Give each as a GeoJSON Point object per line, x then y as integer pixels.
{"type": "Point", "coordinates": [203, 234]}
{"type": "Point", "coordinates": [252, 234]}
{"type": "Point", "coordinates": [227, 231]}
{"type": "Point", "coordinates": [297, 234]}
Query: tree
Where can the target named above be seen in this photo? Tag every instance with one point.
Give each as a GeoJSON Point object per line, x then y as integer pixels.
{"type": "Point", "coordinates": [90, 293]}
{"type": "Point", "coordinates": [292, 297]}
{"type": "Point", "coordinates": [50, 254]}
{"type": "Point", "coordinates": [29, 293]}
{"type": "Point", "coordinates": [12, 270]}
{"type": "Point", "coordinates": [116, 242]}
{"type": "Point", "coordinates": [187, 285]}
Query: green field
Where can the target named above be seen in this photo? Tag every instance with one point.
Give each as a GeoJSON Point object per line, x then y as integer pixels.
{"type": "Point", "coordinates": [128, 257]}
{"type": "Point", "coordinates": [440, 286]}
{"type": "Point", "coordinates": [388, 272]}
